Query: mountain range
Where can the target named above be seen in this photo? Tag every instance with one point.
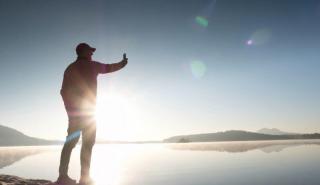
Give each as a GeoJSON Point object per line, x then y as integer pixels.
{"type": "Point", "coordinates": [13, 137]}
{"type": "Point", "coordinates": [237, 135]}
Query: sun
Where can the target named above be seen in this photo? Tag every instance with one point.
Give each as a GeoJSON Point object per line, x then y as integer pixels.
{"type": "Point", "coordinates": [112, 115]}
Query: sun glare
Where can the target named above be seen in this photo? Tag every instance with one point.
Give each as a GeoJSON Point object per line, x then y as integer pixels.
{"type": "Point", "coordinates": [112, 115]}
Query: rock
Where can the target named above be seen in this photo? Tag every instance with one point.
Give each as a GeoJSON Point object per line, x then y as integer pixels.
{"type": "Point", "coordinates": [14, 180]}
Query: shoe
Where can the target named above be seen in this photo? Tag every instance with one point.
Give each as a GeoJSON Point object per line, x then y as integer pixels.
{"type": "Point", "coordinates": [87, 181]}
{"type": "Point", "coordinates": [65, 180]}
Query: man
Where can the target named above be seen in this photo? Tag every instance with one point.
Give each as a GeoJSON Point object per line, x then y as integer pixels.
{"type": "Point", "coordinates": [79, 91]}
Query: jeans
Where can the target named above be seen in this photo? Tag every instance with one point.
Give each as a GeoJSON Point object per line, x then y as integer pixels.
{"type": "Point", "coordinates": [80, 121]}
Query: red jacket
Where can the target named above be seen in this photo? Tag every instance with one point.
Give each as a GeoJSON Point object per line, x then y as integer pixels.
{"type": "Point", "coordinates": [79, 86]}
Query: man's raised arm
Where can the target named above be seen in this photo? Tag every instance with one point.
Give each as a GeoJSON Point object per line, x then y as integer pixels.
{"type": "Point", "coordinates": [109, 68]}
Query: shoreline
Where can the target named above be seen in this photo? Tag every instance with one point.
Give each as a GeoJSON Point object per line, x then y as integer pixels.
{"type": "Point", "coordinates": [15, 180]}
{"type": "Point", "coordinates": [195, 142]}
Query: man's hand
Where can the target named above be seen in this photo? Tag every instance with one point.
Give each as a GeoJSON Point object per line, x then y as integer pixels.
{"type": "Point", "coordinates": [125, 61]}
{"type": "Point", "coordinates": [109, 68]}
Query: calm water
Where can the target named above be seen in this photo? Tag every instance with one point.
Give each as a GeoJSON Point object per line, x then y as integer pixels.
{"type": "Point", "coordinates": [223, 163]}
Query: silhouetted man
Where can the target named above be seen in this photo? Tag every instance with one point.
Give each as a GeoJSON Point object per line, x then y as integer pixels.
{"type": "Point", "coordinates": [79, 91]}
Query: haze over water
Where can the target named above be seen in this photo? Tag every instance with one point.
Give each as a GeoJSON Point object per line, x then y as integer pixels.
{"type": "Point", "coordinates": [221, 163]}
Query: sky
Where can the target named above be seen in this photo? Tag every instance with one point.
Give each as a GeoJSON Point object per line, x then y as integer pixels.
{"type": "Point", "coordinates": [195, 66]}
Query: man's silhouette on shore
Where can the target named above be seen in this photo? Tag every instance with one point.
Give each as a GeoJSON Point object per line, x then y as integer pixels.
{"type": "Point", "coordinates": [79, 91]}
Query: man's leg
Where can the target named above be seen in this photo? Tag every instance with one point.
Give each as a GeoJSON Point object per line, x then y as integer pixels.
{"type": "Point", "coordinates": [88, 140]}
{"type": "Point", "coordinates": [71, 141]}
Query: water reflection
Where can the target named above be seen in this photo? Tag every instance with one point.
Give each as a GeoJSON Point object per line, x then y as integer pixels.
{"type": "Point", "coordinates": [10, 155]}
{"type": "Point", "coordinates": [243, 146]}
{"type": "Point", "coordinates": [185, 163]}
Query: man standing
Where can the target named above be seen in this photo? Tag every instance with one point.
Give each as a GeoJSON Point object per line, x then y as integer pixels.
{"type": "Point", "coordinates": [79, 91]}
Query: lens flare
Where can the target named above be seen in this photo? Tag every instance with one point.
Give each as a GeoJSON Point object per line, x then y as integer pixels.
{"type": "Point", "coordinates": [259, 37]}
{"type": "Point", "coordinates": [198, 68]}
{"type": "Point", "coordinates": [205, 14]}
{"type": "Point", "coordinates": [249, 42]}
{"type": "Point", "coordinates": [202, 21]}
{"type": "Point", "coordinates": [73, 136]}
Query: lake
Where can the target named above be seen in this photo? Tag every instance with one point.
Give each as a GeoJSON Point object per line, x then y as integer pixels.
{"type": "Point", "coordinates": [295, 162]}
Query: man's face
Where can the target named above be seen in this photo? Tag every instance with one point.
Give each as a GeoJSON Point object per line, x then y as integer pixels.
{"type": "Point", "coordinates": [87, 54]}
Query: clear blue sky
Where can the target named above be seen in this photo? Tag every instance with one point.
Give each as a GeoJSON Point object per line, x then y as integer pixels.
{"type": "Point", "coordinates": [194, 66]}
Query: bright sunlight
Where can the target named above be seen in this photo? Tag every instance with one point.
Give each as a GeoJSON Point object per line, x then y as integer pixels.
{"type": "Point", "coordinates": [113, 114]}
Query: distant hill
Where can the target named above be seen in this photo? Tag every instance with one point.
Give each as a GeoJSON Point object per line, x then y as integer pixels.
{"type": "Point", "coordinates": [274, 131]}
{"type": "Point", "coordinates": [12, 137]}
{"type": "Point", "coordinates": [236, 135]}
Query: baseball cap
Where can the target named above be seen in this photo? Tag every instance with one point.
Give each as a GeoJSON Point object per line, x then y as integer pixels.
{"type": "Point", "coordinates": [83, 47]}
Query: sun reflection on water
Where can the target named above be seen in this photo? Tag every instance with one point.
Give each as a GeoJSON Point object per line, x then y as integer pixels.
{"type": "Point", "coordinates": [110, 165]}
